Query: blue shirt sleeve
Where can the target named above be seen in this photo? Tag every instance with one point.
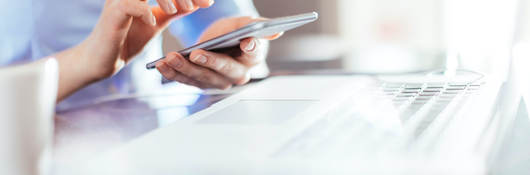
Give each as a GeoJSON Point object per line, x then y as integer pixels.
{"type": "Point", "coordinates": [189, 28]}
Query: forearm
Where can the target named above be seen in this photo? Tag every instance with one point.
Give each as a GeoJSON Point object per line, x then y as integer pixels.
{"type": "Point", "coordinates": [74, 71]}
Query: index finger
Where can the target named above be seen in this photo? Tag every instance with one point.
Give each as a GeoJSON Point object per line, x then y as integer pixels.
{"type": "Point", "coordinates": [203, 3]}
{"type": "Point", "coordinates": [251, 20]}
{"type": "Point", "coordinates": [227, 25]}
{"type": "Point", "coordinates": [273, 37]}
{"type": "Point", "coordinates": [168, 6]}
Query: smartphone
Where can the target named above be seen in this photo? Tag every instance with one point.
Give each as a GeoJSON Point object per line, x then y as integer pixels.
{"type": "Point", "coordinates": [258, 29]}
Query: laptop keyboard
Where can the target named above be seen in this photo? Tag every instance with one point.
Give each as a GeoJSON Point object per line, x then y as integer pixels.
{"type": "Point", "coordinates": [416, 105]}
{"type": "Point", "coordinates": [433, 98]}
{"type": "Point", "coordinates": [409, 98]}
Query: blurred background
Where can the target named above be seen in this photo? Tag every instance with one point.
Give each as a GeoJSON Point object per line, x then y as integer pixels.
{"type": "Point", "coordinates": [390, 36]}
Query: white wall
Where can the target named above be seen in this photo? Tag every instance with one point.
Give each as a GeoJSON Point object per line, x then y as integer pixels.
{"type": "Point", "coordinates": [411, 23]}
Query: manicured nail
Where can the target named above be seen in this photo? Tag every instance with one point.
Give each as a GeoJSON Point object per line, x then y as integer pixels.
{"type": "Point", "coordinates": [200, 59]}
{"type": "Point", "coordinates": [174, 61]}
{"type": "Point", "coordinates": [251, 46]}
{"type": "Point", "coordinates": [188, 5]}
{"type": "Point", "coordinates": [161, 66]}
{"type": "Point", "coordinates": [172, 8]}
{"type": "Point", "coordinates": [153, 20]}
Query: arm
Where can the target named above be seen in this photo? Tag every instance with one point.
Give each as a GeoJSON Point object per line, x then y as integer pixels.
{"type": "Point", "coordinates": [73, 74]}
{"type": "Point", "coordinates": [125, 26]}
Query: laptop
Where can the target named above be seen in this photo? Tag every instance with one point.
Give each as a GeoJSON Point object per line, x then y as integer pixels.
{"type": "Point", "coordinates": [327, 124]}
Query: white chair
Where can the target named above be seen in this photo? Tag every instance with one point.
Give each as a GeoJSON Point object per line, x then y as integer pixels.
{"type": "Point", "coordinates": [27, 101]}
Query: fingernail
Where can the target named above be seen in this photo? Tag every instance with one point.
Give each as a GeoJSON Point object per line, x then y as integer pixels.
{"type": "Point", "coordinates": [153, 20]}
{"type": "Point", "coordinates": [188, 5]}
{"type": "Point", "coordinates": [251, 46]}
{"type": "Point", "coordinates": [174, 61]}
{"type": "Point", "coordinates": [211, 2]}
{"type": "Point", "coordinates": [161, 66]}
{"type": "Point", "coordinates": [172, 8]}
{"type": "Point", "coordinates": [200, 59]}
{"type": "Point", "coordinates": [226, 87]}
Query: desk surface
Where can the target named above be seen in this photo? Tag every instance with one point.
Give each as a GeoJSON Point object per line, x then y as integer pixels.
{"type": "Point", "coordinates": [95, 128]}
{"type": "Point", "coordinates": [92, 129]}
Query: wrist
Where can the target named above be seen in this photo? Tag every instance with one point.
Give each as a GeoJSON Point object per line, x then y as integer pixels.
{"type": "Point", "coordinates": [86, 62]}
{"type": "Point", "coordinates": [73, 72]}
{"type": "Point", "coordinates": [94, 59]}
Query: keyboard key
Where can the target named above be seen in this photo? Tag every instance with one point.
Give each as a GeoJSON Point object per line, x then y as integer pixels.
{"type": "Point", "coordinates": [455, 89]}
{"type": "Point", "coordinates": [390, 90]}
{"type": "Point", "coordinates": [427, 98]}
{"type": "Point", "coordinates": [412, 88]}
{"type": "Point", "coordinates": [405, 95]}
{"type": "Point", "coordinates": [393, 85]}
{"type": "Point", "coordinates": [457, 84]}
{"type": "Point", "coordinates": [450, 92]}
{"type": "Point", "coordinates": [410, 92]}
{"type": "Point", "coordinates": [429, 94]}
{"type": "Point", "coordinates": [432, 90]}
{"type": "Point", "coordinates": [436, 84]}
{"type": "Point", "coordinates": [418, 103]}
{"type": "Point", "coordinates": [414, 85]}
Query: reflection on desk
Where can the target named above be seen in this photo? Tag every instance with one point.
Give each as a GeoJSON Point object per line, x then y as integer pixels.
{"type": "Point", "coordinates": [94, 128]}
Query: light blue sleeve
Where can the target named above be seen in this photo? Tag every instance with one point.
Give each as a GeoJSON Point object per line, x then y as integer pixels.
{"type": "Point", "coordinates": [189, 28]}
{"type": "Point", "coordinates": [16, 28]}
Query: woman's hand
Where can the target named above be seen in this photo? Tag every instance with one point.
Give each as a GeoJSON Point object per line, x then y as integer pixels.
{"type": "Point", "coordinates": [126, 26]}
{"type": "Point", "coordinates": [218, 69]}
{"type": "Point", "coordinates": [123, 29]}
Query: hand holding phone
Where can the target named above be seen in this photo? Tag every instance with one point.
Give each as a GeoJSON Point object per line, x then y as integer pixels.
{"type": "Point", "coordinates": [237, 49]}
{"type": "Point", "coordinates": [258, 29]}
